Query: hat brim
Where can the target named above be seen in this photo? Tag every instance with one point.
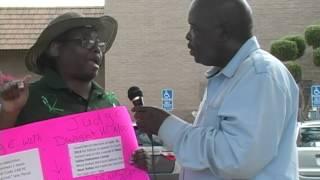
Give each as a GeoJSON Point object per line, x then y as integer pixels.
{"type": "Point", "coordinates": [105, 26]}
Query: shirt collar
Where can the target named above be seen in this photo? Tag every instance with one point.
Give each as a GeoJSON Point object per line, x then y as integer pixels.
{"type": "Point", "coordinates": [52, 79]}
{"type": "Point", "coordinates": [246, 49]}
{"type": "Point", "coordinates": [211, 72]}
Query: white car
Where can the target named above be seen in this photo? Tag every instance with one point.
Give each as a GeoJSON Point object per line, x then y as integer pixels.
{"type": "Point", "coordinates": [309, 150]}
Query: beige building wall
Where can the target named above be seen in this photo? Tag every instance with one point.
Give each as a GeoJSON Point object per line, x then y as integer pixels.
{"type": "Point", "coordinates": [150, 49]}
{"type": "Point", "coordinates": [11, 62]}
{"type": "Point", "coordinates": [151, 52]}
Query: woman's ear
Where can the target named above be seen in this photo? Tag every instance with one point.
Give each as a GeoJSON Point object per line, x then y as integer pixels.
{"type": "Point", "coordinates": [53, 49]}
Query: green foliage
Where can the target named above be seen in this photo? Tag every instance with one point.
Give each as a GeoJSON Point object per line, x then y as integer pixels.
{"type": "Point", "coordinates": [299, 40]}
{"type": "Point", "coordinates": [284, 50]}
{"type": "Point", "coordinates": [312, 36]}
{"type": "Point", "coordinates": [295, 70]}
{"type": "Point", "coordinates": [316, 56]}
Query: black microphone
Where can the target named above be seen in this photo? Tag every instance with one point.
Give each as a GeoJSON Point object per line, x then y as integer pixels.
{"type": "Point", "coordinates": [135, 95]}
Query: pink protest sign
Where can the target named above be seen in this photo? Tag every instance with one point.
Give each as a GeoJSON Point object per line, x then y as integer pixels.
{"type": "Point", "coordinates": [94, 145]}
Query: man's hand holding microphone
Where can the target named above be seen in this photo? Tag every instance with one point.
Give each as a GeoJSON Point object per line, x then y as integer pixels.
{"type": "Point", "coordinates": [149, 119]}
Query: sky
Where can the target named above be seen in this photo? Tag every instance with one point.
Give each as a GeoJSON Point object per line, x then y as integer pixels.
{"type": "Point", "coordinates": [49, 3]}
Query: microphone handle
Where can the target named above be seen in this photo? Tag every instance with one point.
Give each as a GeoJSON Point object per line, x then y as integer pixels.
{"type": "Point", "coordinates": [138, 101]}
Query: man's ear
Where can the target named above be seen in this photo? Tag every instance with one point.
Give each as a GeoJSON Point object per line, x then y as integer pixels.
{"type": "Point", "coordinates": [224, 33]}
{"type": "Point", "coordinates": [53, 49]}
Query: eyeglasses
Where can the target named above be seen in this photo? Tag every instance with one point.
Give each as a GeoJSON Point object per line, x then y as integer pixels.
{"type": "Point", "coordinates": [89, 43]}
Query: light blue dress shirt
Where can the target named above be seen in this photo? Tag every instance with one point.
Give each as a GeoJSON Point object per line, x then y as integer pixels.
{"type": "Point", "coordinates": [246, 124]}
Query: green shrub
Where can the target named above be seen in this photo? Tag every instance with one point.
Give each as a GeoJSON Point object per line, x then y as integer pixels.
{"type": "Point", "coordinates": [312, 36]}
{"type": "Point", "coordinates": [299, 40]}
{"type": "Point", "coordinates": [284, 50]}
{"type": "Point", "coordinates": [295, 70]}
{"type": "Point", "coordinates": [316, 56]}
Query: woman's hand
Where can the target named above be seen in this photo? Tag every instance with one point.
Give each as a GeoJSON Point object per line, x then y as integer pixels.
{"type": "Point", "coordinates": [141, 159]}
{"type": "Point", "coordinates": [14, 93]}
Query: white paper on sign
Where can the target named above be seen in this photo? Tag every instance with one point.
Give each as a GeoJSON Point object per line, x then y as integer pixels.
{"type": "Point", "coordinates": [96, 156]}
{"type": "Point", "coordinates": [21, 166]}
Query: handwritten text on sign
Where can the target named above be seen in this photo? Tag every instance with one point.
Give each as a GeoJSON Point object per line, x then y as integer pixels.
{"type": "Point", "coordinates": [93, 145]}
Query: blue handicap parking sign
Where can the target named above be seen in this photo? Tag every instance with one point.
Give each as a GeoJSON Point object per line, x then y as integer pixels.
{"type": "Point", "coordinates": [315, 96]}
{"type": "Point", "coordinates": [167, 99]}
{"type": "Point", "coordinates": [167, 94]}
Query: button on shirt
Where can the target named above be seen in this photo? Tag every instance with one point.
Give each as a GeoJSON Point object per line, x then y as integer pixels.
{"type": "Point", "coordinates": [50, 97]}
{"type": "Point", "coordinates": [246, 124]}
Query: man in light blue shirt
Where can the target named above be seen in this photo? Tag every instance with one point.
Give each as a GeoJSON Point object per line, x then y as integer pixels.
{"type": "Point", "coordinates": [246, 124]}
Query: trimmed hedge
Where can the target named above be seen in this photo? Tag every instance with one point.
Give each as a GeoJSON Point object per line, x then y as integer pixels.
{"type": "Point", "coordinates": [299, 40]}
{"type": "Point", "coordinates": [316, 56]}
{"type": "Point", "coordinates": [295, 70]}
{"type": "Point", "coordinates": [312, 36]}
{"type": "Point", "coordinates": [284, 50]}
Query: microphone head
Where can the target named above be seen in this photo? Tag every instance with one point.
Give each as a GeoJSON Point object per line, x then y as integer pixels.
{"type": "Point", "coordinates": [133, 92]}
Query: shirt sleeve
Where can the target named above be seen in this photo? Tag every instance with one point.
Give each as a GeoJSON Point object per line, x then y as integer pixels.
{"type": "Point", "coordinates": [252, 119]}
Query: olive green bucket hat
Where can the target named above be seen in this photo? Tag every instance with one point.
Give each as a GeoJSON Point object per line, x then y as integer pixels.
{"type": "Point", "coordinates": [105, 26]}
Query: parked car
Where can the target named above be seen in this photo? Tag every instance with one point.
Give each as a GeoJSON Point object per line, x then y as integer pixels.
{"type": "Point", "coordinates": [309, 150]}
{"type": "Point", "coordinates": [165, 166]}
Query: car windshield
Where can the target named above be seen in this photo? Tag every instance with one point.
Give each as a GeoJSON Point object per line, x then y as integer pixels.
{"type": "Point", "coordinates": [309, 137]}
